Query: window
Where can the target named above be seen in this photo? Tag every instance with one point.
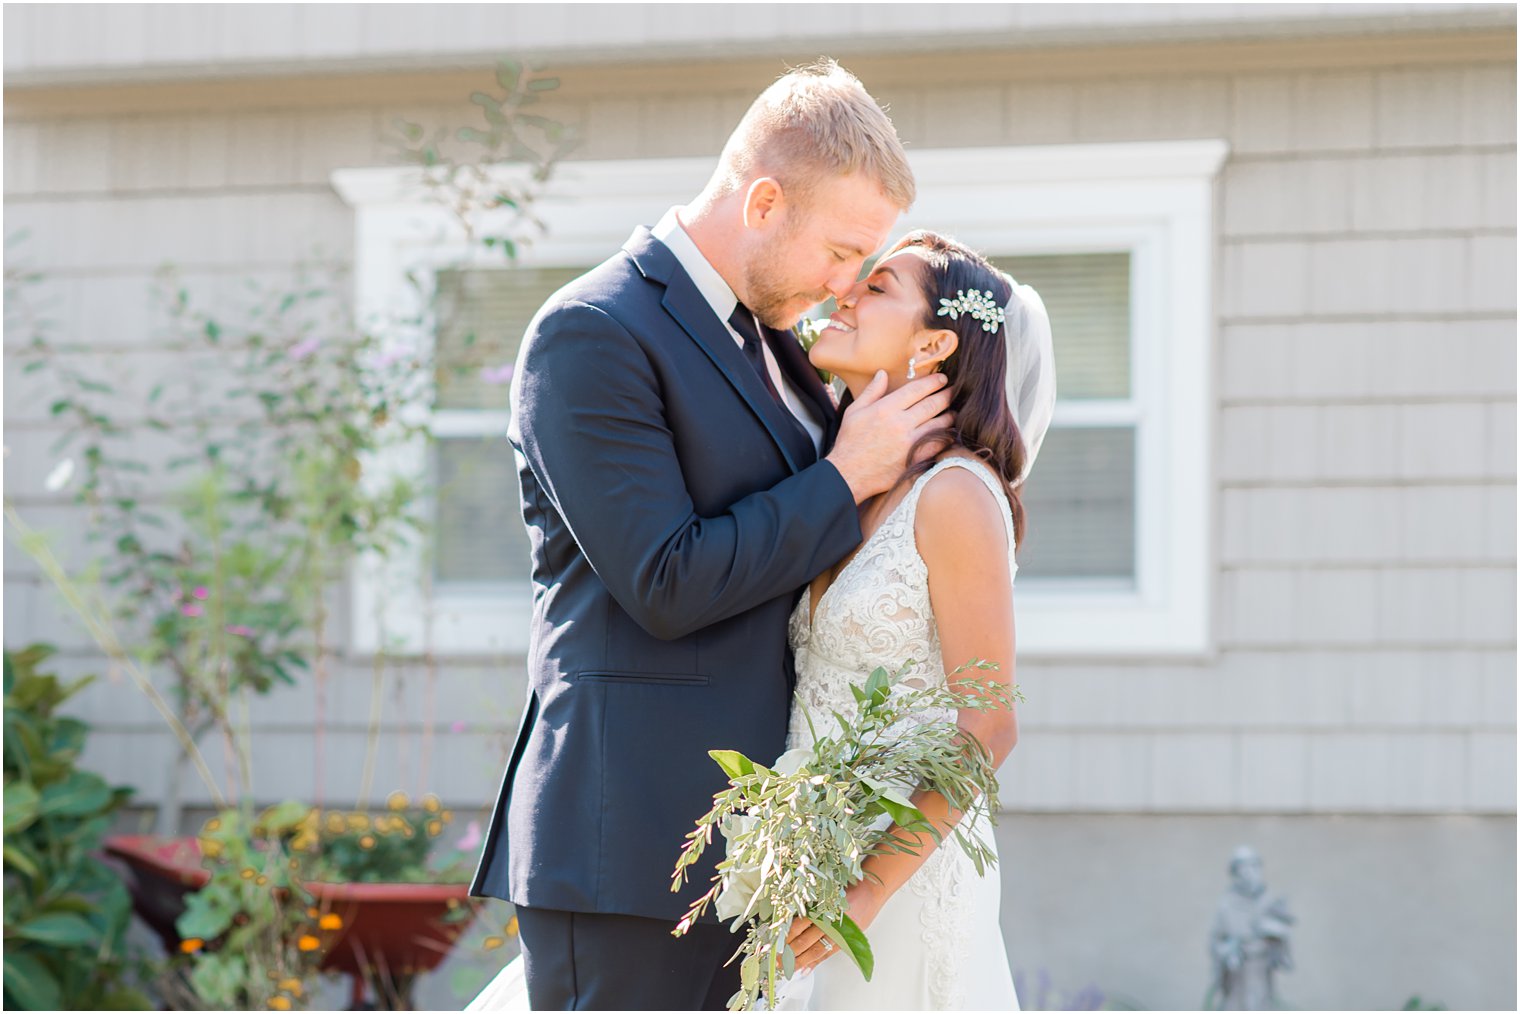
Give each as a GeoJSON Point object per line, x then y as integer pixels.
{"type": "Point", "coordinates": [1080, 498]}
{"type": "Point", "coordinates": [481, 316]}
{"type": "Point", "coordinates": [1116, 238]}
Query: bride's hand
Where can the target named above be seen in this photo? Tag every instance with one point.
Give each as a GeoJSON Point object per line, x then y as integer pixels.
{"type": "Point", "coordinates": [863, 899]}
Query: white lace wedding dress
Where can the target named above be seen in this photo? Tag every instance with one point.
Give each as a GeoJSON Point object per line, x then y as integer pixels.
{"type": "Point", "coordinates": [936, 942]}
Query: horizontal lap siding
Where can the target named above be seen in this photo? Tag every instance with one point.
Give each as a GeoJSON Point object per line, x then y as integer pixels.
{"type": "Point", "coordinates": [1365, 422]}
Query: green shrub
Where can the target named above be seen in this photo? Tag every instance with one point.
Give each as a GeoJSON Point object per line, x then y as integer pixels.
{"type": "Point", "coordinates": [66, 912]}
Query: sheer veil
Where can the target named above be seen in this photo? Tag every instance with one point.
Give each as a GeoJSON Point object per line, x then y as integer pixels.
{"type": "Point", "coordinates": [1031, 382]}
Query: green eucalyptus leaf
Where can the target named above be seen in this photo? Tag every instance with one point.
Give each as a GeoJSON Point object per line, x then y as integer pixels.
{"type": "Point", "coordinates": [850, 938]}
{"type": "Point", "coordinates": [749, 973]}
{"type": "Point", "coordinates": [886, 790]}
{"type": "Point", "coordinates": [733, 763]}
{"type": "Point", "coordinates": [905, 816]}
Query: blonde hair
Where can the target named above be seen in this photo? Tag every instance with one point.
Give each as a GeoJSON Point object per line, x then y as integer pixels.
{"type": "Point", "coordinates": [815, 122]}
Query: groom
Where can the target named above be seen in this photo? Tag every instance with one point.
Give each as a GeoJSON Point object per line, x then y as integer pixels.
{"type": "Point", "coordinates": [683, 475]}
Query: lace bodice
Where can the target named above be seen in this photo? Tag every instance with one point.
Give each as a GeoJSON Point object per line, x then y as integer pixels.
{"type": "Point", "coordinates": [877, 613]}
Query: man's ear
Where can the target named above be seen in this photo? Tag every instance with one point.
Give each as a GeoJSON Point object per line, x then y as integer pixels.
{"type": "Point", "coordinates": [763, 203]}
{"type": "Point", "coordinates": [938, 345]}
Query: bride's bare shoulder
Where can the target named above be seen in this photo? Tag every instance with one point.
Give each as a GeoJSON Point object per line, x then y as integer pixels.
{"type": "Point", "coordinates": [959, 516]}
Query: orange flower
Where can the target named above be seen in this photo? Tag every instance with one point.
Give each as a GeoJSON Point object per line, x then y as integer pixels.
{"type": "Point", "coordinates": [331, 921]}
{"type": "Point", "coordinates": [312, 913]}
{"type": "Point", "coordinates": [291, 986]}
{"type": "Point", "coordinates": [191, 945]}
{"type": "Point", "coordinates": [397, 801]}
{"type": "Point", "coordinates": [367, 842]}
{"type": "Point", "coordinates": [435, 827]}
{"type": "Point", "coordinates": [261, 881]}
{"type": "Point", "coordinates": [279, 1003]}
{"type": "Point", "coordinates": [308, 943]}
{"type": "Point", "coordinates": [249, 873]}
{"type": "Point", "coordinates": [430, 803]}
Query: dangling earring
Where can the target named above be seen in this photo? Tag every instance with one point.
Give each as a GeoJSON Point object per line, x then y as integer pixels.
{"type": "Point", "coordinates": [912, 369]}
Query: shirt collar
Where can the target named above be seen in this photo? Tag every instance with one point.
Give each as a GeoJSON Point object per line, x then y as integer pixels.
{"type": "Point", "coordinates": [711, 284]}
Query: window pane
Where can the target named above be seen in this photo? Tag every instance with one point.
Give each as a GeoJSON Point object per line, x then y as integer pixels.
{"type": "Point", "coordinates": [479, 531]}
{"type": "Point", "coordinates": [482, 314]}
{"type": "Point", "coordinates": [1087, 296]}
{"type": "Point", "coordinates": [1079, 506]}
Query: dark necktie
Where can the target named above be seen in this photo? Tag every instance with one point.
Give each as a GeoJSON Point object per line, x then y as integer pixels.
{"type": "Point", "coordinates": [743, 321]}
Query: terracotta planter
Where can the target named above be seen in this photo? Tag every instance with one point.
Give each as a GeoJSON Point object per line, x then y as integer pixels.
{"type": "Point", "coordinates": [393, 931]}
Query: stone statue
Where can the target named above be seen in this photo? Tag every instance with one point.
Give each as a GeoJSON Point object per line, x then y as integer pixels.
{"type": "Point", "coordinates": [1249, 941]}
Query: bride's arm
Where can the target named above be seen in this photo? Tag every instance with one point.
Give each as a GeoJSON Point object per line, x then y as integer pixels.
{"type": "Point", "coordinates": [961, 537]}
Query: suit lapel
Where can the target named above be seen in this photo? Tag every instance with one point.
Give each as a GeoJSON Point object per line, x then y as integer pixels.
{"type": "Point", "coordinates": [692, 312]}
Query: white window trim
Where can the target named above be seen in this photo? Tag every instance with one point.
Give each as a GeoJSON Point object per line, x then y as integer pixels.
{"type": "Point", "coordinates": [1153, 199]}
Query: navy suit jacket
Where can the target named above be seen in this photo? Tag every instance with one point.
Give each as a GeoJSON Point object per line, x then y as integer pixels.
{"type": "Point", "coordinates": [674, 510]}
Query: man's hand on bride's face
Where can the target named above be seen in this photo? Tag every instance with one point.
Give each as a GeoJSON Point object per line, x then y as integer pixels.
{"type": "Point", "coordinates": [879, 429]}
{"type": "Point", "coordinates": [864, 900]}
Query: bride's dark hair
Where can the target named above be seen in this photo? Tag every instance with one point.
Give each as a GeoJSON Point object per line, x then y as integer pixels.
{"type": "Point", "coordinates": [977, 369]}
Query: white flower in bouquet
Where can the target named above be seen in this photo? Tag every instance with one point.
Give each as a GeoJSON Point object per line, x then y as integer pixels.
{"type": "Point", "coordinates": [797, 833]}
{"type": "Point", "coordinates": [743, 879]}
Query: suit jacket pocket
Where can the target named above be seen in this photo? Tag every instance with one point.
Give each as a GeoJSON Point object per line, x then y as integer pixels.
{"type": "Point", "coordinates": [657, 678]}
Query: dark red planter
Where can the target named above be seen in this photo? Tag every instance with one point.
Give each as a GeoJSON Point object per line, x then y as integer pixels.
{"type": "Point", "coordinates": [390, 931]}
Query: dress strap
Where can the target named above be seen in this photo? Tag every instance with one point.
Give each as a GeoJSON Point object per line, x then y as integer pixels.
{"type": "Point", "coordinates": [990, 480]}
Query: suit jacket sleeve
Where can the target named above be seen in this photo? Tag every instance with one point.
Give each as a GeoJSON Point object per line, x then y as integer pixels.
{"type": "Point", "coordinates": [590, 420]}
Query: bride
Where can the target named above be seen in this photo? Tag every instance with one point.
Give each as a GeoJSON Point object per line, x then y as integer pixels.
{"type": "Point", "coordinates": [932, 581]}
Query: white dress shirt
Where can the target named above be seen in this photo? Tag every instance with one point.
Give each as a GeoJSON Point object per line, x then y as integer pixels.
{"type": "Point", "coordinates": [722, 300]}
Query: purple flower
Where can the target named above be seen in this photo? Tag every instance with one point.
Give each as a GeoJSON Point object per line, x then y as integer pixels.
{"type": "Point", "coordinates": [191, 609]}
{"type": "Point", "coordinates": [240, 630]}
{"type": "Point", "coordinates": [458, 725]}
{"type": "Point", "coordinates": [202, 593]}
{"type": "Point", "coordinates": [496, 374]}
{"type": "Point", "coordinates": [303, 349]}
{"type": "Point", "coordinates": [471, 839]}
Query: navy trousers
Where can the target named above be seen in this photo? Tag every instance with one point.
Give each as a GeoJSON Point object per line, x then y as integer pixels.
{"type": "Point", "coordinates": [596, 961]}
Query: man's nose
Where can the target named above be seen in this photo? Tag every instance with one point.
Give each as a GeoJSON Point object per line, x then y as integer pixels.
{"type": "Point", "coordinates": [841, 283]}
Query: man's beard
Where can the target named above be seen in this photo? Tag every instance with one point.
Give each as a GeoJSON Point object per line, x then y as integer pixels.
{"type": "Point", "coordinates": [769, 295]}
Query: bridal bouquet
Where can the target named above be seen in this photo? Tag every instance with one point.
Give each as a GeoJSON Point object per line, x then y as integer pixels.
{"type": "Point", "coordinates": [798, 832]}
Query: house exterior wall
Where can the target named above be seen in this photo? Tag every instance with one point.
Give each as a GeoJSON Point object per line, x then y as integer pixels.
{"type": "Point", "coordinates": [111, 42]}
{"type": "Point", "coordinates": [1364, 478]}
